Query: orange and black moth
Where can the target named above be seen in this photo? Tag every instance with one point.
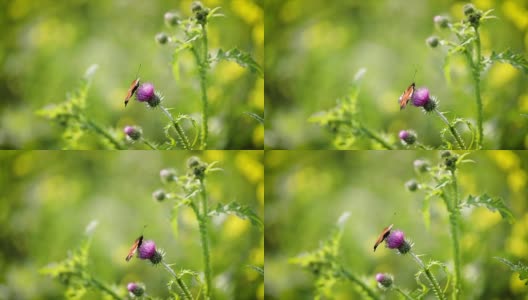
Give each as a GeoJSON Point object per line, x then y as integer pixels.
{"type": "Point", "coordinates": [134, 247]}
{"type": "Point", "coordinates": [406, 96]}
{"type": "Point", "coordinates": [133, 87]}
{"type": "Point", "coordinates": [384, 234]}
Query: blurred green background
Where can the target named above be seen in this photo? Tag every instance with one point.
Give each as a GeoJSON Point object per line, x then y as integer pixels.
{"type": "Point", "coordinates": [47, 45]}
{"type": "Point", "coordinates": [314, 48]}
{"type": "Point", "coordinates": [48, 197]}
{"type": "Point", "coordinates": [306, 192]}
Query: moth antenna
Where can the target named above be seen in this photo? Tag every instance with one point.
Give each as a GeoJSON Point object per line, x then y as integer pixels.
{"type": "Point", "coordinates": [415, 71]}
{"type": "Point", "coordinates": [137, 73]}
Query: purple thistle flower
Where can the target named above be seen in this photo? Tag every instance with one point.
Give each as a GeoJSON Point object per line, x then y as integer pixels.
{"type": "Point", "coordinates": [396, 240]}
{"type": "Point", "coordinates": [133, 133]}
{"type": "Point", "coordinates": [147, 250]}
{"type": "Point", "coordinates": [145, 92]}
{"type": "Point", "coordinates": [408, 137]}
{"type": "Point", "coordinates": [135, 289]}
{"type": "Point", "coordinates": [384, 280]}
{"type": "Point", "coordinates": [421, 97]}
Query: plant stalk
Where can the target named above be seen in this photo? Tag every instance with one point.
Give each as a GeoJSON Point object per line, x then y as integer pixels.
{"type": "Point", "coordinates": [476, 77]}
{"type": "Point", "coordinates": [434, 283]}
{"type": "Point", "coordinates": [203, 66]}
{"type": "Point", "coordinates": [375, 137]}
{"type": "Point", "coordinates": [185, 293]}
{"type": "Point", "coordinates": [204, 236]}
{"type": "Point", "coordinates": [452, 130]}
{"type": "Point", "coordinates": [404, 294]}
{"type": "Point", "coordinates": [454, 220]}
{"type": "Point", "coordinates": [360, 283]}
{"type": "Point", "coordinates": [149, 144]}
{"type": "Point", "coordinates": [103, 287]}
{"type": "Point", "coordinates": [179, 130]}
{"type": "Point", "coordinates": [98, 129]}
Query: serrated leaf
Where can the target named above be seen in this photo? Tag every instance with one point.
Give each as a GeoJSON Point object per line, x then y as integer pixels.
{"type": "Point", "coordinates": [258, 269]}
{"type": "Point", "coordinates": [255, 116]}
{"type": "Point", "coordinates": [171, 141]}
{"type": "Point", "coordinates": [241, 211]}
{"type": "Point", "coordinates": [322, 262]}
{"type": "Point", "coordinates": [516, 60]}
{"type": "Point", "coordinates": [493, 204]}
{"type": "Point", "coordinates": [241, 58]}
{"type": "Point", "coordinates": [520, 268]}
{"type": "Point", "coordinates": [194, 125]}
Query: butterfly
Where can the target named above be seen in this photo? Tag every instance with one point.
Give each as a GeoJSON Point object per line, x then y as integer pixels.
{"type": "Point", "coordinates": [406, 96]}
{"type": "Point", "coordinates": [384, 234]}
{"type": "Point", "coordinates": [133, 87]}
{"type": "Point", "coordinates": [134, 247]}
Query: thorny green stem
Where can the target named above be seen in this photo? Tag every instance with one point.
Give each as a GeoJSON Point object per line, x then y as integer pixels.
{"type": "Point", "coordinates": [434, 283]}
{"type": "Point", "coordinates": [375, 137]}
{"type": "Point", "coordinates": [203, 66]}
{"type": "Point", "coordinates": [476, 78]}
{"type": "Point", "coordinates": [203, 223]}
{"type": "Point", "coordinates": [184, 290]}
{"type": "Point", "coordinates": [151, 146]}
{"type": "Point", "coordinates": [98, 129]}
{"type": "Point", "coordinates": [451, 129]}
{"type": "Point", "coordinates": [204, 236]}
{"type": "Point", "coordinates": [360, 283]}
{"type": "Point", "coordinates": [103, 287]}
{"type": "Point", "coordinates": [179, 130]}
{"type": "Point", "coordinates": [453, 220]}
{"type": "Point", "coordinates": [404, 294]}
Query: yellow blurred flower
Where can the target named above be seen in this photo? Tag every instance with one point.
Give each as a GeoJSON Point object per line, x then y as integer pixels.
{"type": "Point", "coordinates": [250, 166]}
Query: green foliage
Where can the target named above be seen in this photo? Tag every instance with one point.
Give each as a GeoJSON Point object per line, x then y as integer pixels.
{"type": "Point", "coordinates": [520, 268]}
{"type": "Point", "coordinates": [322, 262]}
{"type": "Point", "coordinates": [255, 116]}
{"type": "Point", "coordinates": [242, 58]}
{"type": "Point", "coordinates": [259, 270]}
{"type": "Point", "coordinates": [423, 289]}
{"type": "Point", "coordinates": [194, 31]}
{"type": "Point", "coordinates": [241, 211]}
{"type": "Point", "coordinates": [516, 60]}
{"type": "Point", "coordinates": [73, 272]}
{"type": "Point", "coordinates": [190, 190]}
{"type": "Point", "coordinates": [491, 203]}
{"type": "Point", "coordinates": [344, 121]}
{"type": "Point", "coordinates": [71, 115]}
{"type": "Point", "coordinates": [468, 44]}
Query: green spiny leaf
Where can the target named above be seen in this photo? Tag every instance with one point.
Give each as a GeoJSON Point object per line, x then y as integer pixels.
{"type": "Point", "coordinates": [240, 57]}
{"type": "Point", "coordinates": [260, 270]}
{"type": "Point", "coordinates": [493, 204]}
{"type": "Point", "coordinates": [241, 211]}
{"type": "Point", "coordinates": [516, 60]}
{"type": "Point", "coordinates": [255, 116]}
{"type": "Point", "coordinates": [520, 268]}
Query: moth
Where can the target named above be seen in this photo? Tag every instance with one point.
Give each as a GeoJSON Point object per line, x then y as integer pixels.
{"type": "Point", "coordinates": [384, 234]}
{"type": "Point", "coordinates": [133, 87]}
{"type": "Point", "coordinates": [134, 247]}
{"type": "Point", "coordinates": [406, 96]}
